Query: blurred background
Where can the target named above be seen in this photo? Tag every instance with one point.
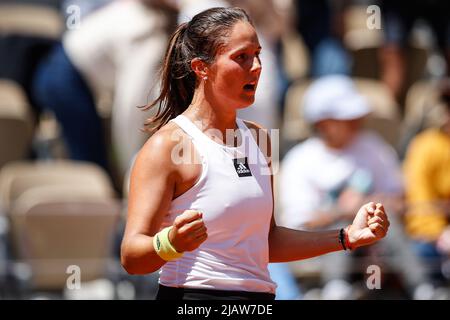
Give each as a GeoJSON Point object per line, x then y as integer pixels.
{"type": "Point", "coordinates": [359, 91]}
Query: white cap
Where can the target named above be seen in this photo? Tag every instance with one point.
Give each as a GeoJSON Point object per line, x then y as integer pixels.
{"type": "Point", "coordinates": [334, 97]}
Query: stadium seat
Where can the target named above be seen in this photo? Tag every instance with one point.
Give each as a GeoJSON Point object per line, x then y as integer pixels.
{"type": "Point", "coordinates": [30, 19]}
{"type": "Point", "coordinates": [296, 60]}
{"type": "Point", "coordinates": [17, 177]}
{"type": "Point", "coordinates": [423, 107]}
{"type": "Point", "coordinates": [61, 214]}
{"type": "Point", "coordinates": [364, 45]}
{"type": "Point", "coordinates": [16, 122]}
{"type": "Point", "coordinates": [422, 110]}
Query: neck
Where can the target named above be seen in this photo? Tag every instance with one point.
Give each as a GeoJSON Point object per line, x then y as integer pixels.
{"type": "Point", "coordinates": [336, 144]}
{"type": "Point", "coordinates": [210, 113]}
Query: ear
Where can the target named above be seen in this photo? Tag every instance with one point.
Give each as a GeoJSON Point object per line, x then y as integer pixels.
{"type": "Point", "coordinates": [200, 68]}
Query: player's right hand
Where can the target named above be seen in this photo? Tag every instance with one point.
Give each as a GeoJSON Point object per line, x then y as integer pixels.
{"type": "Point", "coordinates": [188, 231]}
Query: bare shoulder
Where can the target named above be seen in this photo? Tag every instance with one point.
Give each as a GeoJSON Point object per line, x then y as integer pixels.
{"type": "Point", "coordinates": [261, 136]}
{"type": "Point", "coordinates": [166, 137]}
{"type": "Point", "coordinates": [257, 129]}
{"type": "Point", "coordinates": [158, 149]}
{"type": "Point", "coordinates": [254, 125]}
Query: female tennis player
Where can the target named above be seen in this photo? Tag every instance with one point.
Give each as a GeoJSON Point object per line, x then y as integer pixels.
{"type": "Point", "coordinates": [200, 205]}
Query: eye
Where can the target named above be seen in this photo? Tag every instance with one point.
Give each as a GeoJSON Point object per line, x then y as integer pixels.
{"type": "Point", "coordinates": [242, 56]}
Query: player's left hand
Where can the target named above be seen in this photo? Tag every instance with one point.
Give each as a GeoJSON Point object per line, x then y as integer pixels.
{"type": "Point", "coordinates": [370, 225]}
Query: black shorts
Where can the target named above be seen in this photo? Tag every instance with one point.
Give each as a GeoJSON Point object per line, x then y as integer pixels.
{"type": "Point", "coordinates": [170, 293]}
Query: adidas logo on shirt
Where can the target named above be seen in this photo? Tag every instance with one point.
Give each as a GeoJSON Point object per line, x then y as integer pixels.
{"type": "Point", "coordinates": [241, 167]}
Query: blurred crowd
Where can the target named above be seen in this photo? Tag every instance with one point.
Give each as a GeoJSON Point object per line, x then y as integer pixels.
{"type": "Point", "coordinates": [359, 91]}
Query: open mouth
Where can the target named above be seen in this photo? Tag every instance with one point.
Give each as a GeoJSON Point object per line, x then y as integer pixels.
{"type": "Point", "coordinates": [250, 87]}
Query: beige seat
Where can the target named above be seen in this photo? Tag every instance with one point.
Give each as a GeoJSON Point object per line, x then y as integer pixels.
{"type": "Point", "coordinates": [30, 19]}
{"type": "Point", "coordinates": [294, 128]}
{"type": "Point", "coordinates": [16, 122]}
{"type": "Point", "coordinates": [61, 213]}
{"type": "Point", "coordinates": [357, 35]}
{"type": "Point", "coordinates": [53, 229]}
{"type": "Point", "coordinates": [364, 45]}
{"type": "Point", "coordinates": [17, 177]}
{"type": "Point", "coordinates": [362, 42]}
{"type": "Point", "coordinates": [423, 108]}
{"type": "Point", "coordinates": [385, 118]}
{"type": "Point", "coordinates": [296, 60]}
{"type": "Point", "coordinates": [366, 63]}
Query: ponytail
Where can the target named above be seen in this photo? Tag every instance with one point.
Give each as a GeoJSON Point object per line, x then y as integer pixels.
{"type": "Point", "coordinates": [177, 83]}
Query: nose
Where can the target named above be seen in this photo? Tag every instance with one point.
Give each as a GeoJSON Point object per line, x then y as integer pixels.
{"type": "Point", "coordinates": [256, 66]}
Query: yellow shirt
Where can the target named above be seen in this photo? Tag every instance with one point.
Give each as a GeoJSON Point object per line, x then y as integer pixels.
{"type": "Point", "coordinates": [427, 173]}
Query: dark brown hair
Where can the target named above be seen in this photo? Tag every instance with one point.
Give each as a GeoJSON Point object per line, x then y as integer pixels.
{"type": "Point", "coordinates": [199, 38]}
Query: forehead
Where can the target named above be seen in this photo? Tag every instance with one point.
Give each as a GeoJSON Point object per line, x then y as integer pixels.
{"type": "Point", "coordinates": [242, 35]}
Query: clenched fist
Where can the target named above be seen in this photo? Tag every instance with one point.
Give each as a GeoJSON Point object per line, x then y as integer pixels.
{"type": "Point", "coordinates": [188, 231]}
{"type": "Point", "coordinates": [370, 225]}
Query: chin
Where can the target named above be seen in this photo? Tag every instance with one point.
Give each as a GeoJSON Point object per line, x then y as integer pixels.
{"type": "Point", "coordinates": [247, 102]}
{"type": "Point", "coordinates": [247, 105]}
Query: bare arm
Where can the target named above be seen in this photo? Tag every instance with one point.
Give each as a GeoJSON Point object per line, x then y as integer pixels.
{"type": "Point", "coordinates": [290, 245]}
{"type": "Point", "coordinates": [152, 185]}
{"type": "Point", "coordinates": [369, 225]}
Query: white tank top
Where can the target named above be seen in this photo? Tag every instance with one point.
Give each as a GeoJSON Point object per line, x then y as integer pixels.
{"type": "Point", "coordinates": [236, 200]}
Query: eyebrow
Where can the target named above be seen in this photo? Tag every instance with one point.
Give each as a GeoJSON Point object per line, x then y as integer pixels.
{"type": "Point", "coordinates": [244, 48]}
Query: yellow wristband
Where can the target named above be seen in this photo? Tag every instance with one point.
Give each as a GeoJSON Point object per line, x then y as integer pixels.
{"type": "Point", "coordinates": [163, 247]}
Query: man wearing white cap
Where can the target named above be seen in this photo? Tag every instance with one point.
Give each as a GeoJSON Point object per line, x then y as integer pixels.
{"type": "Point", "coordinates": [342, 157]}
{"type": "Point", "coordinates": [325, 177]}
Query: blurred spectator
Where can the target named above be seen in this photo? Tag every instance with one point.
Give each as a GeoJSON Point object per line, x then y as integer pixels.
{"type": "Point", "coordinates": [427, 173]}
{"type": "Point", "coordinates": [399, 17]}
{"type": "Point", "coordinates": [326, 178]}
{"type": "Point", "coordinates": [342, 163]}
{"type": "Point", "coordinates": [116, 49]}
{"type": "Point", "coordinates": [320, 23]}
{"type": "Point", "coordinates": [22, 46]}
{"type": "Point", "coordinates": [22, 51]}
